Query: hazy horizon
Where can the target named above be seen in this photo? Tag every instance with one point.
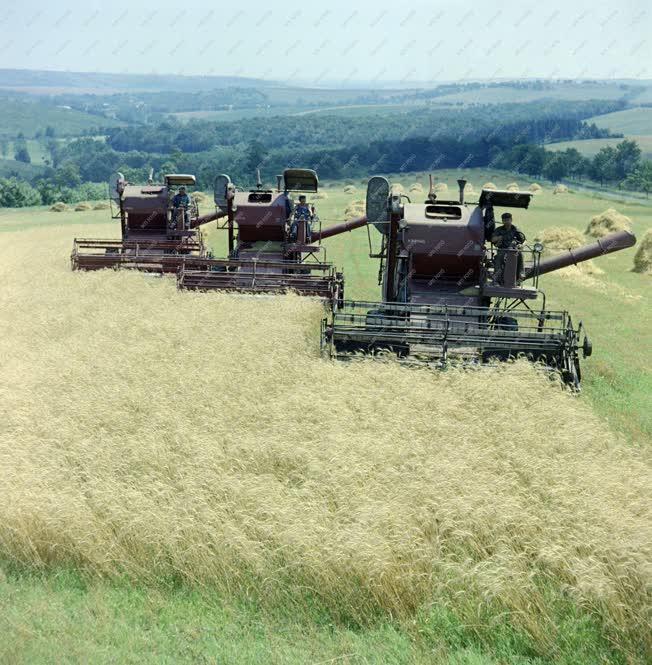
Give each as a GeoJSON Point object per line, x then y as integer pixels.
{"type": "Point", "coordinates": [343, 45]}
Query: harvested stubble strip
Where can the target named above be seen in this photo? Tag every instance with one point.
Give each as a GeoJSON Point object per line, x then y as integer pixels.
{"type": "Point", "coordinates": [116, 457]}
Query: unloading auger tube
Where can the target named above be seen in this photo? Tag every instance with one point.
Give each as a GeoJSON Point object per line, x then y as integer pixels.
{"type": "Point", "coordinates": [443, 298]}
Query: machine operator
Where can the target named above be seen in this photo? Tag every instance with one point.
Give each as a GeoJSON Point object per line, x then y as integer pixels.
{"type": "Point", "coordinates": [507, 237]}
{"type": "Point", "coordinates": [181, 200]}
{"type": "Point", "coordinates": [302, 213]}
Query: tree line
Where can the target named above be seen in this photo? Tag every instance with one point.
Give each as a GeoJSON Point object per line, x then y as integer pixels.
{"type": "Point", "coordinates": [509, 136]}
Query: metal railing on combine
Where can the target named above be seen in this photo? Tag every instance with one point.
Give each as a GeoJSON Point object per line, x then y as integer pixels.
{"type": "Point", "coordinates": [95, 254]}
{"type": "Point", "coordinates": [259, 275]}
{"type": "Point", "coordinates": [440, 331]}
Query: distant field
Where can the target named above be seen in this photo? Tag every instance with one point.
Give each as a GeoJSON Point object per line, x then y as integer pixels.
{"type": "Point", "coordinates": [630, 121]}
{"type": "Point", "coordinates": [564, 91]}
{"type": "Point", "coordinates": [349, 110]}
{"type": "Point", "coordinates": [590, 147]}
{"type": "Point", "coordinates": [357, 110]}
{"type": "Point", "coordinates": [235, 114]}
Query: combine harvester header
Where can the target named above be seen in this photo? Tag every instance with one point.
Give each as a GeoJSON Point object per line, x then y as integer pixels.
{"type": "Point", "coordinates": [447, 296]}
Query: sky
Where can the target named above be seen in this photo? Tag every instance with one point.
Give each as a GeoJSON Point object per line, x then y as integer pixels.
{"type": "Point", "coordinates": [335, 42]}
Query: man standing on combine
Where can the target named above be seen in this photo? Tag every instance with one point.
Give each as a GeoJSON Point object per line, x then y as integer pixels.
{"type": "Point", "coordinates": [507, 237]}
{"type": "Point", "coordinates": [302, 213]}
{"type": "Point", "coordinates": [181, 200]}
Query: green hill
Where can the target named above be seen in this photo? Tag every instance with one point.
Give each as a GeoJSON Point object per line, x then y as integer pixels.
{"type": "Point", "coordinates": [30, 117]}
{"type": "Point", "coordinates": [629, 121]}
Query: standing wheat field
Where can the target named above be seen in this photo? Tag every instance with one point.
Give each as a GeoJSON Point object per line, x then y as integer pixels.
{"type": "Point", "coordinates": [153, 434]}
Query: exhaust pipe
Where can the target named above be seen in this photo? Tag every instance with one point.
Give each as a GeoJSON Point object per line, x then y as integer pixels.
{"type": "Point", "coordinates": [279, 180]}
{"type": "Point", "coordinates": [461, 183]}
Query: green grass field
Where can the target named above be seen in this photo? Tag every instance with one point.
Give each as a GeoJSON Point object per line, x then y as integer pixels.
{"type": "Point", "coordinates": [636, 121]}
{"type": "Point", "coordinates": [63, 615]}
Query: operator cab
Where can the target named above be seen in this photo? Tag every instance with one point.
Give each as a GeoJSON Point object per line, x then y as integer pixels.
{"type": "Point", "coordinates": [302, 215]}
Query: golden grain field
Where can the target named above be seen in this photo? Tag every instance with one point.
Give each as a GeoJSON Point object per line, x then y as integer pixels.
{"type": "Point", "coordinates": [155, 434]}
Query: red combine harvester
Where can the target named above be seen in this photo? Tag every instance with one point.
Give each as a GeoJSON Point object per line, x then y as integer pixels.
{"type": "Point", "coordinates": [447, 297]}
{"type": "Point", "coordinates": [156, 235]}
{"type": "Point", "coordinates": [274, 245]}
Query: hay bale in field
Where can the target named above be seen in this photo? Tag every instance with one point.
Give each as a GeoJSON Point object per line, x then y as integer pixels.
{"type": "Point", "coordinates": [607, 222]}
{"type": "Point", "coordinates": [560, 189]}
{"type": "Point", "coordinates": [535, 188]}
{"type": "Point", "coordinates": [441, 187]}
{"type": "Point", "coordinates": [101, 206]}
{"type": "Point", "coordinates": [320, 195]}
{"type": "Point", "coordinates": [200, 197]}
{"type": "Point", "coordinates": [81, 207]}
{"type": "Point", "coordinates": [489, 185]}
{"type": "Point", "coordinates": [512, 187]}
{"type": "Point", "coordinates": [350, 189]}
{"type": "Point", "coordinates": [643, 256]}
{"type": "Point", "coordinates": [354, 210]}
{"type": "Point", "coordinates": [353, 213]}
{"type": "Point", "coordinates": [397, 188]}
{"type": "Point", "coordinates": [416, 187]}
{"type": "Point", "coordinates": [60, 206]}
{"type": "Point", "coordinates": [560, 237]}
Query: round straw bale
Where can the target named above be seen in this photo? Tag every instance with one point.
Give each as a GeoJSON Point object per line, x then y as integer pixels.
{"type": "Point", "coordinates": [82, 206]}
{"type": "Point", "coordinates": [101, 205]}
{"type": "Point", "coordinates": [60, 206]}
{"type": "Point", "coordinates": [489, 185]}
{"type": "Point", "coordinates": [441, 187]}
{"type": "Point", "coordinates": [512, 187]}
{"type": "Point", "coordinates": [560, 189]}
{"type": "Point", "coordinates": [535, 188]}
{"type": "Point", "coordinates": [349, 189]}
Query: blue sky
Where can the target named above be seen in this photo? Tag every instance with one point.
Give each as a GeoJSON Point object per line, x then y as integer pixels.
{"type": "Point", "coordinates": [335, 42]}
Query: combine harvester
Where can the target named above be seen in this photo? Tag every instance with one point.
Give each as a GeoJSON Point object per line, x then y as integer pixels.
{"type": "Point", "coordinates": [155, 237]}
{"type": "Point", "coordinates": [445, 299]}
{"type": "Point", "coordinates": [271, 249]}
